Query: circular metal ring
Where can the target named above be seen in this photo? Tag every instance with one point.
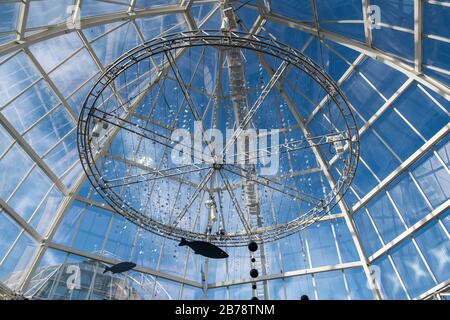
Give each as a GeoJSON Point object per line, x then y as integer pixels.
{"type": "Point", "coordinates": [90, 151]}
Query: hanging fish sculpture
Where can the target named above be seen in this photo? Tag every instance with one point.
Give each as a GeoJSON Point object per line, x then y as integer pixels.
{"type": "Point", "coordinates": [205, 249]}
{"type": "Point", "coordinates": [120, 267]}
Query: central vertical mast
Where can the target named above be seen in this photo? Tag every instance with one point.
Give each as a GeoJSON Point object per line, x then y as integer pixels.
{"type": "Point", "coordinates": [239, 99]}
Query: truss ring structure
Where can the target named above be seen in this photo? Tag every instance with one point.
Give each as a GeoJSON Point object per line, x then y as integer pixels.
{"type": "Point", "coordinates": [124, 86]}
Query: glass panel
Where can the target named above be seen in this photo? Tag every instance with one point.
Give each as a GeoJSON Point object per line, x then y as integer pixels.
{"type": "Point", "coordinates": [297, 286]}
{"type": "Point", "coordinates": [93, 228]}
{"type": "Point", "coordinates": [386, 79]}
{"type": "Point", "coordinates": [241, 292]}
{"type": "Point", "coordinates": [326, 58]}
{"type": "Point", "coordinates": [17, 73]}
{"type": "Point", "coordinates": [408, 199]}
{"type": "Point", "coordinates": [436, 53]}
{"type": "Point", "coordinates": [387, 280]}
{"type": "Point", "coordinates": [111, 46]}
{"type": "Point", "coordinates": [154, 3]}
{"type": "Point", "coordinates": [48, 12]}
{"type": "Point", "coordinates": [77, 100]}
{"type": "Point", "coordinates": [445, 218]}
{"type": "Point", "coordinates": [51, 52]}
{"type": "Point", "coordinates": [366, 232]}
{"type": "Point", "coordinates": [174, 256]}
{"type": "Point", "coordinates": [432, 178]}
{"type": "Point", "coordinates": [44, 216]}
{"type": "Point", "coordinates": [294, 253]}
{"type": "Point", "coordinates": [442, 77]}
{"type": "Point", "coordinates": [69, 76]}
{"type": "Point", "coordinates": [192, 293]}
{"type": "Point", "coordinates": [350, 30]}
{"type": "Point", "coordinates": [30, 106]}
{"type": "Point", "coordinates": [9, 231]}
{"type": "Point", "coordinates": [435, 246]}
{"type": "Point", "coordinates": [434, 17]}
{"type": "Point", "coordinates": [421, 111]}
{"type": "Point", "coordinates": [331, 286]}
{"type": "Point", "coordinates": [238, 266]}
{"type": "Point", "coordinates": [6, 38]}
{"type": "Point", "coordinates": [153, 26]}
{"type": "Point", "coordinates": [393, 41]}
{"type": "Point", "coordinates": [345, 242]}
{"type": "Point", "coordinates": [339, 10]}
{"type": "Point", "coordinates": [97, 31]}
{"type": "Point", "coordinates": [293, 37]}
{"type": "Point", "coordinates": [121, 238]}
{"type": "Point", "coordinates": [321, 244]}
{"type": "Point", "coordinates": [392, 128]}
{"type": "Point", "coordinates": [26, 199]}
{"type": "Point", "coordinates": [377, 156]}
{"type": "Point", "coordinates": [13, 167]}
{"type": "Point", "coordinates": [364, 180]}
{"type": "Point", "coordinates": [357, 284]}
{"type": "Point", "coordinates": [148, 248]}
{"type": "Point", "coordinates": [61, 158]}
{"type": "Point", "coordinates": [69, 225]}
{"type": "Point", "coordinates": [8, 16]}
{"type": "Point", "coordinates": [443, 149]}
{"type": "Point", "coordinates": [216, 294]}
{"type": "Point", "coordinates": [13, 269]}
{"type": "Point", "coordinates": [96, 7]}
{"type": "Point", "coordinates": [50, 130]}
{"type": "Point", "coordinates": [385, 217]}
{"type": "Point", "coordinates": [397, 13]}
{"type": "Point", "coordinates": [71, 177]}
{"type": "Point", "coordinates": [45, 277]}
{"type": "Point", "coordinates": [296, 9]}
{"type": "Point", "coordinates": [5, 140]}
{"type": "Point", "coordinates": [361, 95]}
{"type": "Point", "coordinates": [414, 274]}
{"type": "Point", "coordinates": [277, 289]}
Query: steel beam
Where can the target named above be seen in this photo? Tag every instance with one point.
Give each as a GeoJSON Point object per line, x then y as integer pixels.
{"type": "Point", "coordinates": [288, 274]}
{"type": "Point", "coordinates": [433, 291]}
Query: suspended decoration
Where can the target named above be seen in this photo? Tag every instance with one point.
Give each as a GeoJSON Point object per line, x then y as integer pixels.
{"type": "Point", "coordinates": [206, 80]}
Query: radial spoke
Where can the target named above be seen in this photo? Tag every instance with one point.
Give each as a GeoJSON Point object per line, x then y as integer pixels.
{"type": "Point", "coordinates": [157, 174]}
{"type": "Point", "coordinates": [258, 103]}
{"type": "Point", "coordinates": [267, 182]}
{"type": "Point", "coordinates": [183, 86]}
{"type": "Point", "coordinates": [194, 196]}
{"type": "Point", "coordinates": [235, 202]}
{"type": "Point", "coordinates": [165, 141]}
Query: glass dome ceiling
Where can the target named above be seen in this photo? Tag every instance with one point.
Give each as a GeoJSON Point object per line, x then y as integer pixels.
{"type": "Point", "coordinates": [388, 238]}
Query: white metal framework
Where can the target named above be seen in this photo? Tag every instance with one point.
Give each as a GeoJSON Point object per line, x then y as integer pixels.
{"type": "Point", "coordinates": [413, 70]}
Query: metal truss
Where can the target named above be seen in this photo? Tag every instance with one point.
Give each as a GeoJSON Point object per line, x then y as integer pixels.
{"type": "Point", "coordinates": [92, 113]}
{"type": "Point", "coordinates": [24, 40]}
